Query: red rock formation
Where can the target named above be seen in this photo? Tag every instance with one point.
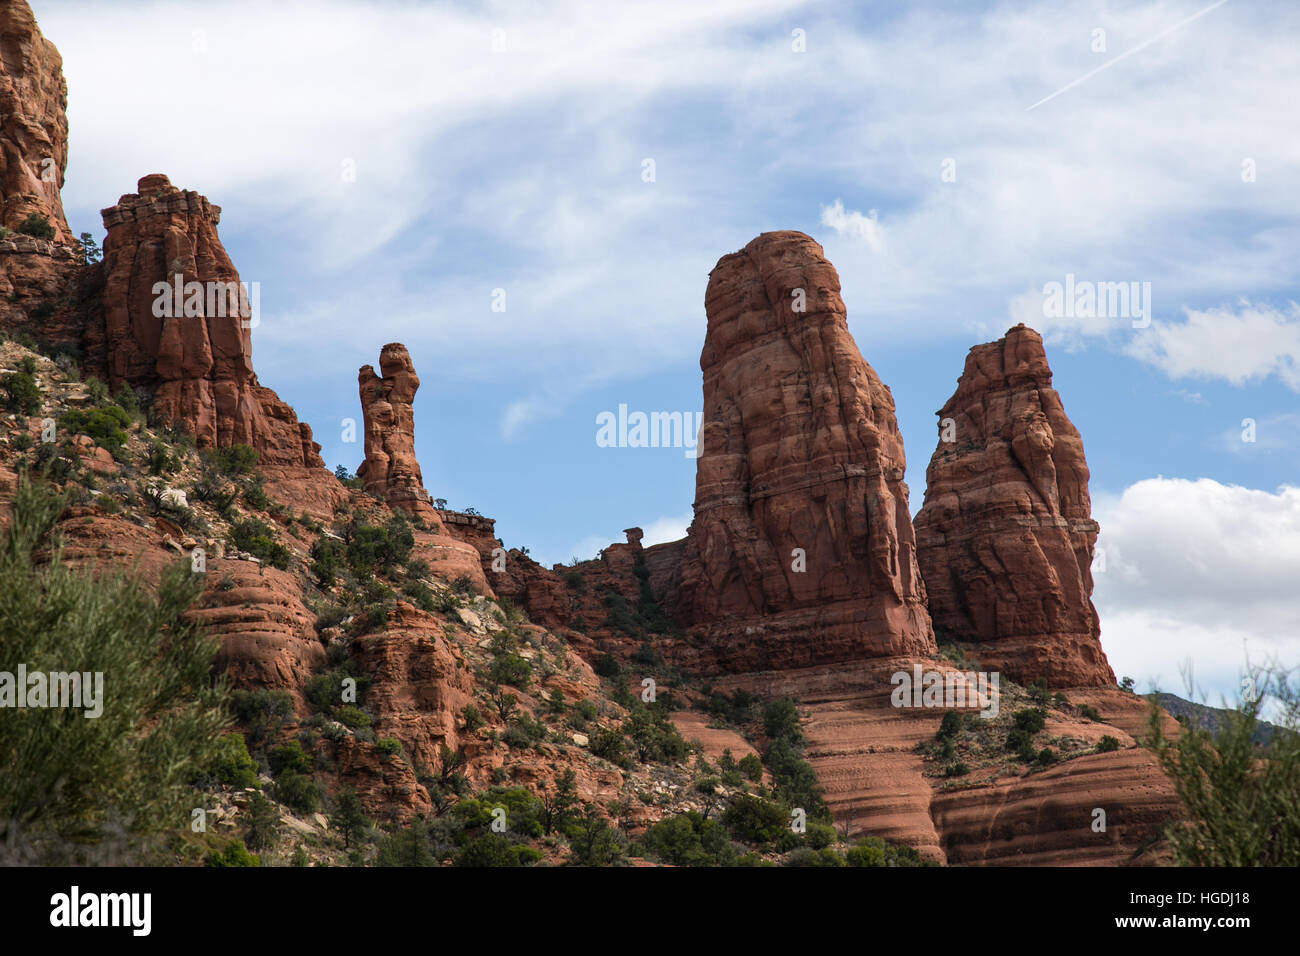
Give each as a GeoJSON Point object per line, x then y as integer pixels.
{"type": "Point", "coordinates": [801, 550]}
{"type": "Point", "coordinates": [34, 136]}
{"type": "Point", "coordinates": [36, 274]}
{"type": "Point", "coordinates": [391, 471]}
{"type": "Point", "coordinates": [196, 357]}
{"type": "Point", "coordinates": [1005, 537]}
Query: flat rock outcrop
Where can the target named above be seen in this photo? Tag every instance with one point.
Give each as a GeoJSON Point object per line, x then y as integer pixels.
{"type": "Point", "coordinates": [391, 471]}
{"type": "Point", "coordinates": [801, 549]}
{"type": "Point", "coordinates": [191, 345]}
{"type": "Point", "coordinates": [1005, 537]}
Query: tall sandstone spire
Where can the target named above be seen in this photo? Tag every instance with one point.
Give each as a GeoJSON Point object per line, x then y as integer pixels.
{"type": "Point", "coordinates": [1005, 537]}
{"type": "Point", "coordinates": [801, 551]}
{"type": "Point", "coordinates": [197, 360]}
{"type": "Point", "coordinates": [391, 471]}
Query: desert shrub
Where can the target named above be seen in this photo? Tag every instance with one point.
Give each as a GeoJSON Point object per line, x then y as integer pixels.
{"type": "Point", "coordinates": [1238, 787]}
{"type": "Point", "coordinates": [751, 767]}
{"type": "Point", "coordinates": [1107, 744]}
{"type": "Point", "coordinates": [258, 539]}
{"type": "Point", "coordinates": [234, 460]}
{"type": "Point", "coordinates": [389, 746]}
{"type": "Point", "coordinates": [374, 548]}
{"type": "Point", "coordinates": [1088, 712]}
{"type": "Point", "coordinates": [233, 854]}
{"type": "Point", "coordinates": [755, 821]}
{"type": "Point", "coordinates": [607, 665]}
{"type": "Point", "coordinates": [805, 856]}
{"type": "Point", "coordinates": [950, 726]}
{"type": "Point", "coordinates": [289, 758]}
{"type": "Point", "coordinates": [231, 765]}
{"type": "Point", "coordinates": [688, 839]}
{"type": "Point", "coordinates": [511, 669]}
{"type": "Point", "coordinates": [69, 782]}
{"type": "Point", "coordinates": [37, 226]}
{"type": "Point", "coordinates": [781, 721]}
{"type": "Point", "coordinates": [609, 744]}
{"type": "Point", "coordinates": [298, 792]}
{"type": "Point", "coordinates": [22, 394]}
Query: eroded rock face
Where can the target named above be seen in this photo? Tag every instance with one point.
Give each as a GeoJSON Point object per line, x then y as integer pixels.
{"type": "Point", "coordinates": [34, 132]}
{"type": "Point", "coordinates": [391, 471]}
{"type": "Point", "coordinates": [36, 273]}
{"type": "Point", "coordinates": [196, 357]}
{"type": "Point", "coordinates": [801, 550]}
{"type": "Point", "coordinates": [1005, 537]}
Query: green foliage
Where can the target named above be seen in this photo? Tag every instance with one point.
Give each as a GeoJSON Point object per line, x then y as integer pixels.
{"type": "Point", "coordinates": [22, 394]}
{"type": "Point", "coordinates": [231, 764]}
{"type": "Point", "coordinates": [491, 849]}
{"type": "Point", "coordinates": [1030, 721]}
{"type": "Point", "coordinates": [379, 549]}
{"type": "Point", "coordinates": [407, 846]}
{"type": "Point", "coordinates": [37, 226]}
{"type": "Point", "coordinates": [524, 812]}
{"type": "Point", "coordinates": [755, 821]}
{"type": "Point", "coordinates": [806, 856]}
{"type": "Point", "coordinates": [593, 842]}
{"type": "Point", "coordinates": [654, 738]}
{"type": "Point", "coordinates": [258, 539]}
{"type": "Point", "coordinates": [327, 557]}
{"type": "Point", "coordinates": [511, 669]}
{"type": "Point", "coordinates": [298, 792]}
{"type": "Point", "coordinates": [872, 851]}
{"type": "Point", "coordinates": [234, 854]}
{"type": "Point", "coordinates": [950, 726]}
{"type": "Point", "coordinates": [1241, 799]}
{"type": "Point", "coordinates": [69, 780]}
{"type": "Point", "coordinates": [90, 253]}
{"type": "Point", "coordinates": [127, 400]}
{"type": "Point", "coordinates": [795, 783]}
{"type": "Point", "coordinates": [263, 712]}
{"type": "Point", "coordinates": [781, 721]}
{"type": "Point", "coordinates": [1089, 712]}
{"type": "Point", "coordinates": [1107, 744]}
{"type": "Point", "coordinates": [751, 767]}
{"type": "Point", "coordinates": [261, 823]}
{"type": "Point", "coordinates": [289, 758]}
{"type": "Point", "coordinates": [349, 818]}
{"type": "Point", "coordinates": [389, 746]}
{"type": "Point", "coordinates": [688, 839]}
{"type": "Point", "coordinates": [607, 665]}
{"type": "Point", "coordinates": [234, 460]}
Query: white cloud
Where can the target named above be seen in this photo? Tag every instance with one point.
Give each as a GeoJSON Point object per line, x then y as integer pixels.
{"type": "Point", "coordinates": [1246, 345]}
{"type": "Point", "coordinates": [670, 528]}
{"type": "Point", "coordinates": [855, 225]}
{"type": "Point", "coordinates": [1199, 570]}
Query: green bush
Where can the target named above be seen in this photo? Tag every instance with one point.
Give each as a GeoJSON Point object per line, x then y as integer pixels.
{"type": "Point", "coordinates": [298, 792]}
{"type": "Point", "coordinates": [493, 849]}
{"type": "Point", "coordinates": [231, 764]}
{"type": "Point", "coordinates": [22, 394]}
{"type": "Point", "coordinates": [950, 726]}
{"type": "Point", "coordinates": [805, 856]}
{"type": "Point", "coordinates": [234, 854]}
{"type": "Point", "coordinates": [1088, 712]}
{"type": "Point", "coordinates": [68, 783]}
{"type": "Point", "coordinates": [781, 721]}
{"type": "Point", "coordinates": [234, 460]}
{"type": "Point", "coordinates": [607, 665]}
{"type": "Point", "coordinates": [38, 226]}
{"type": "Point", "coordinates": [1107, 744]}
{"type": "Point", "coordinates": [755, 821]}
{"type": "Point", "coordinates": [258, 539]}
{"type": "Point", "coordinates": [388, 745]}
{"type": "Point", "coordinates": [375, 549]}
{"type": "Point", "coordinates": [688, 839]}
{"type": "Point", "coordinates": [511, 669]}
{"type": "Point", "coordinates": [289, 758]}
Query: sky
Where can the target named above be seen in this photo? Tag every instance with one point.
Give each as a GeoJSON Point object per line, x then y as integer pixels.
{"type": "Point", "coordinates": [530, 197]}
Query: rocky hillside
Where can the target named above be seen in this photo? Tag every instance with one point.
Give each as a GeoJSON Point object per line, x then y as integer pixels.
{"type": "Point", "coordinates": [406, 690]}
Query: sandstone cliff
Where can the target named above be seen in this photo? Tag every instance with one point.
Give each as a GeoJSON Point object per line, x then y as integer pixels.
{"type": "Point", "coordinates": [801, 549]}
{"type": "Point", "coordinates": [1005, 537]}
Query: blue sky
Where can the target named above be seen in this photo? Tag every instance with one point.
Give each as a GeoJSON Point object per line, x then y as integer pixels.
{"type": "Point", "coordinates": [500, 146]}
